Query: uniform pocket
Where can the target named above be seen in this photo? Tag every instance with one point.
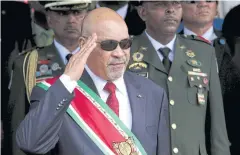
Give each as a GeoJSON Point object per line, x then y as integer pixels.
{"type": "Point", "coordinates": [197, 92]}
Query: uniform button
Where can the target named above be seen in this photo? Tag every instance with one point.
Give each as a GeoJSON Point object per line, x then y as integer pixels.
{"type": "Point", "coordinates": [174, 126]}
{"type": "Point", "coordinates": [171, 102]}
{"type": "Point", "coordinates": [60, 105]}
{"type": "Point", "coordinates": [170, 78]}
{"type": "Point", "coordinates": [175, 150]}
{"type": "Point", "coordinates": [200, 86]}
{"type": "Point", "coordinates": [58, 108]}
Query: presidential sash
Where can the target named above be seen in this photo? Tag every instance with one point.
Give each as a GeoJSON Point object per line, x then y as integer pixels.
{"type": "Point", "coordinates": [99, 122]}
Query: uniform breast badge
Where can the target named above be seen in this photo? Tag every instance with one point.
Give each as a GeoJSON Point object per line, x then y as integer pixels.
{"type": "Point", "coordinates": [205, 81]}
{"type": "Point", "coordinates": [55, 66]}
{"type": "Point", "coordinates": [137, 60]}
{"type": "Point", "coordinates": [194, 63]}
{"type": "Point", "coordinates": [201, 96]}
{"type": "Point", "coordinates": [138, 65]}
{"type": "Point", "coordinates": [125, 148]}
{"type": "Point", "coordinates": [190, 53]}
{"type": "Point", "coordinates": [201, 99]}
{"type": "Point", "coordinates": [43, 69]}
{"type": "Point", "coordinates": [137, 57]}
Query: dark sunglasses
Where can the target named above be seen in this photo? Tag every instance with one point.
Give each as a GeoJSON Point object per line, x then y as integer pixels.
{"type": "Point", "coordinates": [110, 45]}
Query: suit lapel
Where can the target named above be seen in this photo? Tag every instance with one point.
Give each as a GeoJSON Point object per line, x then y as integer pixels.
{"type": "Point", "coordinates": [56, 62]}
{"type": "Point", "coordinates": [151, 56]}
{"type": "Point", "coordinates": [137, 101]}
{"type": "Point", "coordinates": [85, 78]}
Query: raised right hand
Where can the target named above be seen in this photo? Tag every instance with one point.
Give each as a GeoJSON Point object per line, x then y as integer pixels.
{"type": "Point", "coordinates": [75, 66]}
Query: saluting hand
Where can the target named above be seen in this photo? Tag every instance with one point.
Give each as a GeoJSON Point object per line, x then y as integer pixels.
{"type": "Point", "coordinates": [75, 66]}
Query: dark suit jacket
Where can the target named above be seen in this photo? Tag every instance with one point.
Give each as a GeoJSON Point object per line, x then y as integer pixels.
{"type": "Point", "coordinates": [45, 126]}
{"type": "Point", "coordinates": [186, 115]}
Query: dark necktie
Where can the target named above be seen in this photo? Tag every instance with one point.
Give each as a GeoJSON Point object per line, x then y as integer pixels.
{"type": "Point", "coordinates": [112, 100]}
{"type": "Point", "coordinates": [68, 57]}
{"type": "Point", "coordinates": [166, 62]}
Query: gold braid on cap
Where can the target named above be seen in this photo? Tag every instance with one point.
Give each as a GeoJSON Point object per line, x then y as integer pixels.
{"type": "Point", "coordinates": [30, 74]}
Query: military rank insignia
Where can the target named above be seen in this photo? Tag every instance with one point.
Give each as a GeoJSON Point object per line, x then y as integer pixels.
{"type": "Point", "coordinates": [137, 57]}
{"type": "Point", "coordinates": [182, 47]}
{"type": "Point", "coordinates": [138, 65]}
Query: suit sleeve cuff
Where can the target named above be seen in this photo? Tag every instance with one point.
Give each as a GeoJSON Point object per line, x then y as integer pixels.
{"type": "Point", "coordinates": [68, 83]}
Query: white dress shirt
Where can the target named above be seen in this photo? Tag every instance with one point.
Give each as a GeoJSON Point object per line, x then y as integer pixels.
{"type": "Point", "coordinates": [158, 45]}
{"type": "Point", "coordinates": [209, 34]}
{"type": "Point", "coordinates": [121, 11]}
{"type": "Point", "coordinates": [125, 113]}
{"type": "Point", "coordinates": [63, 51]}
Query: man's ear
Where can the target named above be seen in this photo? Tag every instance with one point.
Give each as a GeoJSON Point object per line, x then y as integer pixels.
{"type": "Point", "coordinates": [81, 41]}
{"type": "Point", "coordinates": [142, 12]}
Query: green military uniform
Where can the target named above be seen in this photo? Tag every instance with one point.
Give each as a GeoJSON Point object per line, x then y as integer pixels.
{"type": "Point", "coordinates": [224, 58]}
{"type": "Point", "coordinates": [228, 75]}
{"type": "Point", "coordinates": [29, 68]}
{"type": "Point", "coordinates": [191, 83]}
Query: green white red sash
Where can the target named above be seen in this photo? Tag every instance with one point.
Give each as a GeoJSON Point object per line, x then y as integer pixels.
{"type": "Point", "coordinates": [99, 122]}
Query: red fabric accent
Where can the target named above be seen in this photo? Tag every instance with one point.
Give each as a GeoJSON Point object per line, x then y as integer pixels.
{"type": "Point", "coordinates": [112, 100]}
{"type": "Point", "coordinates": [204, 39]}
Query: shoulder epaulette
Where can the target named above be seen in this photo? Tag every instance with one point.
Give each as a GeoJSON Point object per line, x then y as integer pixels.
{"type": "Point", "coordinates": [197, 38]}
{"type": "Point", "coordinates": [29, 50]}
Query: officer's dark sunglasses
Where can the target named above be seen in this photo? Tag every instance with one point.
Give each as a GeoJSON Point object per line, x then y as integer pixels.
{"type": "Point", "coordinates": [110, 45]}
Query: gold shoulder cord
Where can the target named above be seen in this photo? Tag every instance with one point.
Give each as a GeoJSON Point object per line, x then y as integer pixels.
{"type": "Point", "coordinates": [30, 74]}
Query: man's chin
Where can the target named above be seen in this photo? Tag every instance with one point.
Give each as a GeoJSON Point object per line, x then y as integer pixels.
{"type": "Point", "coordinates": [170, 30]}
{"type": "Point", "coordinates": [72, 36]}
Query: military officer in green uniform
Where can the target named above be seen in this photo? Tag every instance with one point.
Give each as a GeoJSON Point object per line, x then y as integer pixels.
{"type": "Point", "coordinates": [198, 17]}
{"type": "Point", "coordinates": [31, 66]}
{"type": "Point", "coordinates": [186, 67]}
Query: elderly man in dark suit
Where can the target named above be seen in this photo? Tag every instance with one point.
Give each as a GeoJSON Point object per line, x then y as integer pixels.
{"type": "Point", "coordinates": [107, 111]}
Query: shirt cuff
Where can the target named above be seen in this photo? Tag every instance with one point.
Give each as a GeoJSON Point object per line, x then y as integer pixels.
{"type": "Point", "coordinates": [68, 83]}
